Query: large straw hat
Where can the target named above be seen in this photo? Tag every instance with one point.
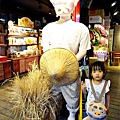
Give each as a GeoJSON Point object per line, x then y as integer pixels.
{"type": "Point", "coordinates": [60, 66]}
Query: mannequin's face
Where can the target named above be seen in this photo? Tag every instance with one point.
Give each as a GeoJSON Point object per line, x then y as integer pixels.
{"type": "Point", "coordinates": [63, 7]}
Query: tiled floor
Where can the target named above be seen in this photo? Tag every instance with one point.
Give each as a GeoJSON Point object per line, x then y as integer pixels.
{"type": "Point", "coordinates": [113, 74]}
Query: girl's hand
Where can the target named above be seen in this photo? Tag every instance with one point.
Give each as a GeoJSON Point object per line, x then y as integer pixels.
{"type": "Point", "coordinates": [83, 87]}
{"type": "Point", "coordinates": [107, 112]}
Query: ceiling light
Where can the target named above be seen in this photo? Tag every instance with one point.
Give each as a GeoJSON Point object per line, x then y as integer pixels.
{"type": "Point", "coordinates": [1, 19]}
{"type": "Point", "coordinates": [50, 11]}
{"type": "Point", "coordinates": [113, 4]}
{"type": "Point", "coordinates": [116, 12]}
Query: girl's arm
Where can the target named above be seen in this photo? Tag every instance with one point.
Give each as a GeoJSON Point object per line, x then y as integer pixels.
{"type": "Point", "coordinates": [107, 99]}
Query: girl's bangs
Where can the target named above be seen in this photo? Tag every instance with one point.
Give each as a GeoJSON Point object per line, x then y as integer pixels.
{"type": "Point", "coordinates": [94, 68]}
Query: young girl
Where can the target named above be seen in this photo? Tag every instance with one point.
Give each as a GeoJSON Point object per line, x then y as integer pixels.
{"type": "Point", "coordinates": [97, 72]}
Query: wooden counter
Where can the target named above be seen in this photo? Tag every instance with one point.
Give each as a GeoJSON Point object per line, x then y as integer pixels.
{"type": "Point", "coordinates": [16, 66]}
{"type": "Point", "coordinates": [20, 65]}
{"type": "Point", "coordinates": [5, 70]}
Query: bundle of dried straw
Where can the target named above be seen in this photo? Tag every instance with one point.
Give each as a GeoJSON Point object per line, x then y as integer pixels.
{"type": "Point", "coordinates": [32, 96]}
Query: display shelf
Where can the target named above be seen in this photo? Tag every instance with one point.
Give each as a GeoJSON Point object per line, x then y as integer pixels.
{"type": "Point", "coordinates": [22, 40]}
{"type": "Point", "coordinates": [5, 61]}
{"type": "Point", "coordinates": [2, 40]}
{"type": "Point", "coordinates": [22, 31]}
{"type": "Point", "coordinates": [18, 58]}
{"type": "Point", "coordinates": [18, 36]}
{"type": "Point", "coordinates": [3, 45]}
{"type": "Point", "coordinates": [23, 45]}
{"type": "Point", "coordinates": [3, 34]}
{"type": "Point", "coordinates": [15, 25]}
{"type": "Point", "coordinates": [5, 70]}
{"type": "Point", "coordinates": [20, 65]}
{"type": "Point", "coordinates": [99, 42]}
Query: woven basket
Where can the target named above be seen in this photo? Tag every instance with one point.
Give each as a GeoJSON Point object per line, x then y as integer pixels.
{"type": "Point", "coordinates": [60, 66]}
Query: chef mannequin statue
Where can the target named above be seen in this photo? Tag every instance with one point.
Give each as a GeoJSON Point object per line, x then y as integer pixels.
{"type": "Point", "coordinates": [73, 36]}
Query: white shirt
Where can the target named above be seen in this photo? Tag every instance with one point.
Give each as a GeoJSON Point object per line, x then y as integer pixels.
{"type": "Point", "coordinates": [70, 35]}
{"type": "Point", "coordinates": [98, 90]}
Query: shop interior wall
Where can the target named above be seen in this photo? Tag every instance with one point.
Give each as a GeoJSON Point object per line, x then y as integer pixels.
{"type": "Point", "coordinates": [12, 12]}
{"type": "Point", "coordinates": [116, 47]}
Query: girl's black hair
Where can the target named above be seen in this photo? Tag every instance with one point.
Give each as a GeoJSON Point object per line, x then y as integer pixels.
{"type": "Point", "coordinates": [98, 65]}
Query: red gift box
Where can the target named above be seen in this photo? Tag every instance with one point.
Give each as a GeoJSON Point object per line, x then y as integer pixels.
{"type": "Point", "coordinates": [3, 58]}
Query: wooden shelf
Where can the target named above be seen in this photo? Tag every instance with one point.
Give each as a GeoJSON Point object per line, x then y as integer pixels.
{"type": "Point", "coordinates": [5, 61]}
{"type": "Point", "coordinates": [18, 36]}
{"type": "Point", "coordinates": [19, 58]}
{"type": "Point", "coordinates": [3, 45]}
{"type": "Point", "coordinates": [2, 40]}
{"type": "Point", "coordinates": [23, 27]}
{"type": "Point", "coordinates": [23, 45]}
{"type": "Point", "coordinates": [3, 34]}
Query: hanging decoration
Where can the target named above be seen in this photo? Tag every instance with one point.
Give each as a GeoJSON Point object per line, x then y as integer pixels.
{"type": "Point", "coordinates": [76, 13]}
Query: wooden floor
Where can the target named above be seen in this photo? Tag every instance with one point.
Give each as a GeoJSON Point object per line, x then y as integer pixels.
{"type": "Point", "coordinates": [5, 106]}
{"type": "Point", "coordinates": [113, 74]}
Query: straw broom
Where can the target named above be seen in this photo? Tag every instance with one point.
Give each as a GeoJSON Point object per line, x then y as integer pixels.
{"type": "Point", "coordinates": [32, 96]}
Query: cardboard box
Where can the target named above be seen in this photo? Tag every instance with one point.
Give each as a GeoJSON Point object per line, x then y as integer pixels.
{"type": "Point", "coordinates": [100, 12]}
{"type": "Point", "coordinates": [3, 58]}
{"type": "Point", "coordinates": [95, 19]}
